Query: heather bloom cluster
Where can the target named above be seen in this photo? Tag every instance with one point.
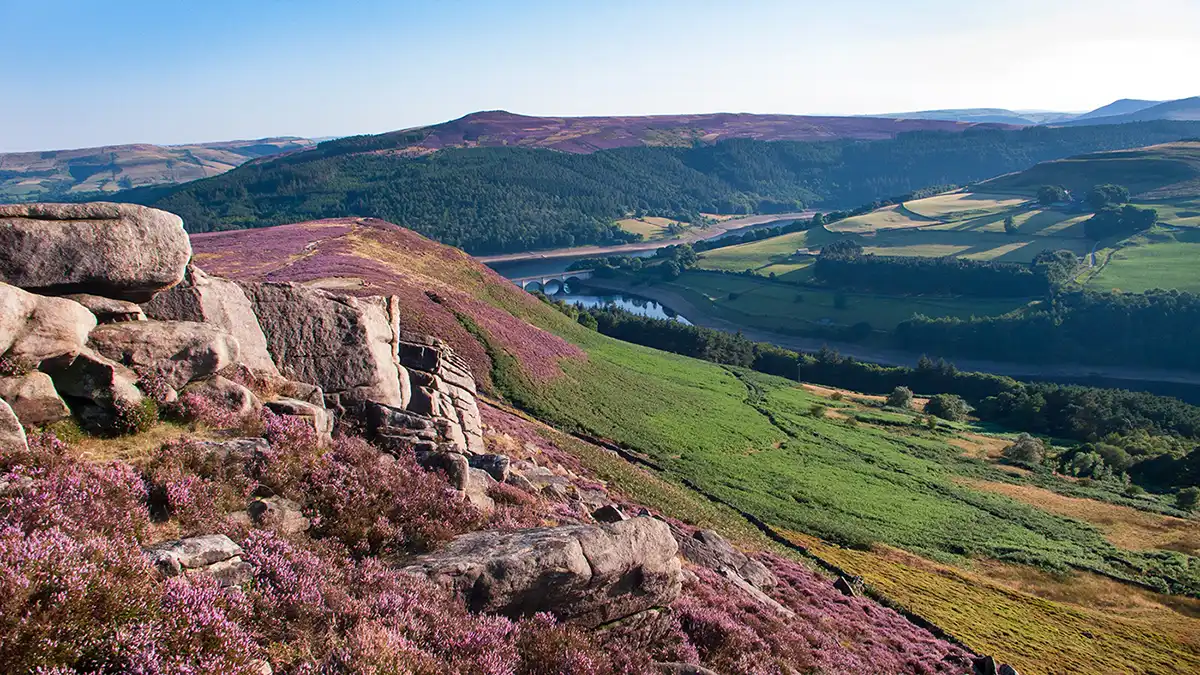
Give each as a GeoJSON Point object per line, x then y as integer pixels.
{"type": "Point", "coordinates": [77, 594]}
{"type": "Point", "coordinates": [193, 486]}
{"type": "Point", "coordinates": [370, 505]}
{"type": "Point", "coordinates": [207, 411]}
{"type": "Point", "coordinates": [828, 632]}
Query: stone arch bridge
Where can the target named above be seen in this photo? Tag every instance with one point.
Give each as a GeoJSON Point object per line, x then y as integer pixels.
{"type": "Point", "coordinates": [552, 284]}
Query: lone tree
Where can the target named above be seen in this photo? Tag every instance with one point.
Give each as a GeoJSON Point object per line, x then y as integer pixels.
{"type": "Point", "coordinates": [1188, 499]}
{"type": "Point", "coordinates": [948, 407]}
{"type": "Point", "coordinates": [1010, 225]}
{"type": "Point", "coordinates": [1051, 194]}
{"type": "Point", "coordinates": [1026, 450]}
{"type": "Point", "coordinates": [901, 397]}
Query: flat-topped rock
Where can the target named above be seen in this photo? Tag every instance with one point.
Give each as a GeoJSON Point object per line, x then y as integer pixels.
{"type": "Point", "coordinates": [214, 555]}
{"type": "Point", "coordinates": [178, 351]}
{"type": "Point", "coordinates": [121, 251]}
{"type": "Point", "coordinates": [586, 574]}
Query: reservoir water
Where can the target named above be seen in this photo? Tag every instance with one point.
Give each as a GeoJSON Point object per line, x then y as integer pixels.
{"type": "Point", "coordinates": [586, 296]}
{"type": "Point", "coordinates": [635, 304]}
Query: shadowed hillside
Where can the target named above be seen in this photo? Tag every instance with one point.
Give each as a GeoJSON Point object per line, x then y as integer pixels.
{"type": "Point", "coordinates": [507, 199]}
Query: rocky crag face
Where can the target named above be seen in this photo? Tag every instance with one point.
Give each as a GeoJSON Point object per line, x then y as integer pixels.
{"type": "Point", "coordinates": [455, 540]}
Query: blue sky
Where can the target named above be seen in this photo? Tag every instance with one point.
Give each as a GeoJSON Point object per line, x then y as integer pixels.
{"type": "Point", "coordinates": [82, 72]}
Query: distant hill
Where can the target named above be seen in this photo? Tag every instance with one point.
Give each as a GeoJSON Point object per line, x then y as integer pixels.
{"type": "Point", "coordinates": [589, 134]}
{"type": "Point", "coordinates": [1164, 171]}
{"type": "Point", "coordinates": [984, 116]}
{"type": "Point", "coordinates": [1117, 112]}
{"type": "Point", "coordinates": [510, 199]}
{"type": "Point", "coordinates": [93, 172]}
{"type": "Point", "coordinates": [1120, 107]}
{"type": "Point", "coordinates": [1184, 109]}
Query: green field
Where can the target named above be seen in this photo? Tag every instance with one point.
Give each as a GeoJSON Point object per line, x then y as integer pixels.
{"type": "Point", "coordinates": [962, 205]}
{"type": "Point", "coordinates": [763, 304]}
{"type": "Point", "coordinates": [886, 218]}
{"type": "Point", "coordinates": [762, 450]}
{"type": "Point", "coordinates": [1171, 262]}
{"type": "Point", "coordinates": [961, 224]}
{"type": "Point", "coordinates": [649, 227]}
{"type": "Point", "coordinates": [1176, 212]}
{"type": "Point", "coordinates": [1163, 171]}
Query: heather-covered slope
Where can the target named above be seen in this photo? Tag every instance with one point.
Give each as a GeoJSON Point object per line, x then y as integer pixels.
{"type": "Point", "coordinates": [755, 443]}
{"type": "Point", "coordinates": [589, 134]}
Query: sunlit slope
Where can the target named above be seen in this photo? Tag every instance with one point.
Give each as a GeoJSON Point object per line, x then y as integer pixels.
{"type": "Point", "coordinates": [799, 462]}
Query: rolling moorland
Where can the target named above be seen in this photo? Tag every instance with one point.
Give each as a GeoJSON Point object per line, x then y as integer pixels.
{"type": "Point", "coordinates": [1054, 574]}
{"type": "Point", "coordinates": [91, 173]}
{"type": "Point", "coordinates": [503, 199]}
{"type": "Point", "coordinates": [951, 274]}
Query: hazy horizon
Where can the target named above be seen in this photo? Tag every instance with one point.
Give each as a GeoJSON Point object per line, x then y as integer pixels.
{"type": "Point", "coordinates": [96, 74]}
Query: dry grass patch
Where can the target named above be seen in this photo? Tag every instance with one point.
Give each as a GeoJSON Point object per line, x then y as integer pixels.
{"type": "Point", "coordinates": [1124, 526]}
{"type": "Point", "coordinates": [1101, 593]}
{"type": "Point", "coordinates": [847, 395]}
{"type": "Point", "coordinates": [1034, 634]}
{"type": "Point", "coordinates": [136, 448]}
{"type": "Point", "coordinates": [980, 446]}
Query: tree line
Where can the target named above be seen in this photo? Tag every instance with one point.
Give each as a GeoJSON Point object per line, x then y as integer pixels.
{"type": "Point", "coordinates": [505, 199]}
{"type": "Point", "coordinates": [1153, 329]}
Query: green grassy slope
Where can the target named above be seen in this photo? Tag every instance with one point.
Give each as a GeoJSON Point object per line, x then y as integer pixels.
{"type": "Point", "coordinates": [1160, 171]}
{"type": "Point", "coordinates": [749, 440]}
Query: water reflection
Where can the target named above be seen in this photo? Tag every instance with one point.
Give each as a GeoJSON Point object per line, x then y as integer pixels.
{"type": "Point", "coordinates": [635, 304]}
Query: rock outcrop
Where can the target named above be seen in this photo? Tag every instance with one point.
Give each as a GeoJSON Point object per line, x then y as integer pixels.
{"type": "Point", "coordinates": [345, 345]}
{"type": "Point", "coordinates": [279, 512]}
{"type": "Point", "coordinates": [108, 310]}
{"type": "Point", "coordinates": [96, 387]}
{"type": "Point", "coordinates": [709, 549]}
{"type": "Point", "coordinates": [236, 398]}
{"type": "Point", "coordinates": [586, 574]}
{"type": "Point", "coordinates": [177, 351]}
{"type": "Point", "coordinates": [313, 415]}
{"type": "Point", "coordinates": [220, 303]}
{"type": "Point", "coordinates": [443, 388]}
{"type": "Point", "coordinates": [408, 390]}
{"type": "Point", "coordinates": [33, 398]}
{"type": "Point", "coordinates": [12, 435]}
{"type": "Point", "coordinates": [35, 328]}
{"type": "Point", "coordinates": [120, 251]}
{"type": "Point", "coordinates": [214, 555]}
